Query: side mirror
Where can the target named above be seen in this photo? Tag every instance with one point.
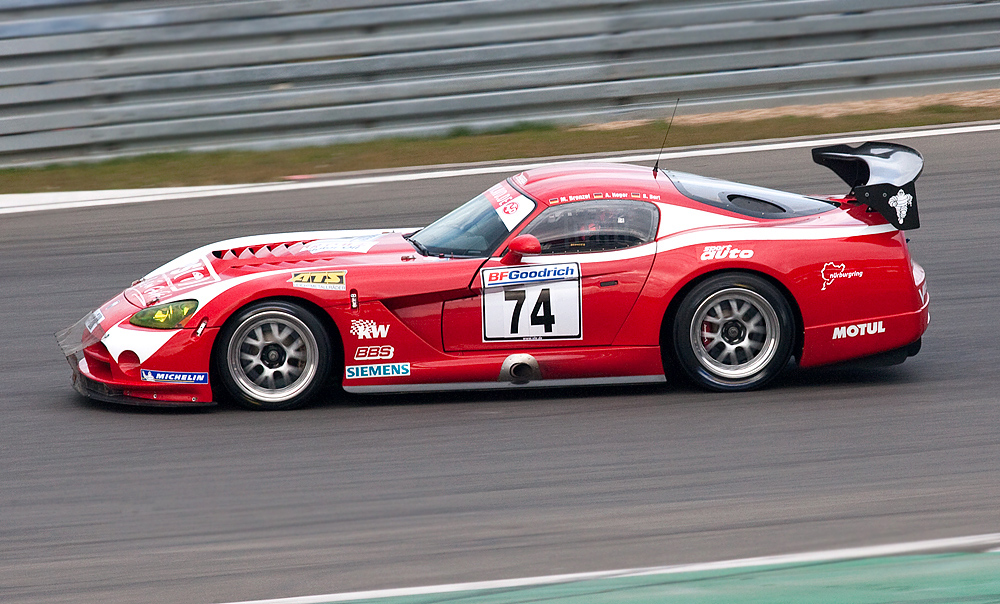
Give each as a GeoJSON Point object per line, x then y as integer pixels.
{"type": "Point", "coordinates": [522, 245]}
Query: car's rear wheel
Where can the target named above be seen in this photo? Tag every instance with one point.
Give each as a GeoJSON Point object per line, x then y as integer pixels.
{"type": "Point", "coordinates": [733, 332]}
{"type": "Point", "coordinates": [273, 355]}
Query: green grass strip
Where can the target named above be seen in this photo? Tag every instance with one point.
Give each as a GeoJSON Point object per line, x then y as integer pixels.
{"type": "Point", "coordinates": [236, 167]}
{"type": "Point", "coordinates": [928, 579]}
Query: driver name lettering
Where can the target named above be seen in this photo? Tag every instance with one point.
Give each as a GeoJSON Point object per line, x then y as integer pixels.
{"type": "Point", "coordinates": [602, 195]}
{"type": "Point", "coordinates": [509, 276]}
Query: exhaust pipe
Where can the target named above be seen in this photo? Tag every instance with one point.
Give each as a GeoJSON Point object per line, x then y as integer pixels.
{"type": "Point", "coordinates": [519, 369]}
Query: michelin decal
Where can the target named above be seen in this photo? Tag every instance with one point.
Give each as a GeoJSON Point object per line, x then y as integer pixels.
{"type": "Point", "coordinates": [174, 377]}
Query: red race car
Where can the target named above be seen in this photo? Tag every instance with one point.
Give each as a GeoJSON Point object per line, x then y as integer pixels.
{"type": "Point", "coordinates": [569, 274]}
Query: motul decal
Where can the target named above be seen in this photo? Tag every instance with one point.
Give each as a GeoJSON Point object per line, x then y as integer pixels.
{"type": "Point", "coordinates": [858, 329]}
{"type": "Point", "coordinates": [831, 272]}
{"type": "Point", "coordinates": [368, 330]}
{"type": "Point", "coordinates": [721, 252]}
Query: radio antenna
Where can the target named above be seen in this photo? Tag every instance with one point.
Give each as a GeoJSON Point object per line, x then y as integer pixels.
{"type": "Point", "coordinates": [656, 166]}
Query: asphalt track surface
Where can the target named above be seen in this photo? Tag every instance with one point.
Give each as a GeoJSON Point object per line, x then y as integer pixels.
{"type": "Point", "coordinates": [107, 504]}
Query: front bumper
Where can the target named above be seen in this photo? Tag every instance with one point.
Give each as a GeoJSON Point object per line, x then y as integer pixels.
{"type": "Point", "coordinates": [124, 394]}
{"type": "Point", "coordinates": [98, 375]}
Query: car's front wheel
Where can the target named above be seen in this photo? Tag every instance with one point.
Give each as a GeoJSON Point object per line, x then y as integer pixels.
{"type": "Point", "coordinates": [273, 355]}
{"type": "Point", "coordinates": [733, 331]}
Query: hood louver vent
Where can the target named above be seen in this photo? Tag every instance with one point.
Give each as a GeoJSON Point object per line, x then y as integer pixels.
{"type": "Point", "coordinates": [262, 252]}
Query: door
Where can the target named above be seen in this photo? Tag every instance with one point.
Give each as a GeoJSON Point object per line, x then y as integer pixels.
{"type": "Point", "coordinates": [596, 256]}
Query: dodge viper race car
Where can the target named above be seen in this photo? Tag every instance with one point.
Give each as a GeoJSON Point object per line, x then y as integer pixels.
{"type": "Point", "coordinates": [576, 273]}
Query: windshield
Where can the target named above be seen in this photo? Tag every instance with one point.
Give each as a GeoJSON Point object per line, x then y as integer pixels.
{"type": "Point", "coordinates": [477, 227]}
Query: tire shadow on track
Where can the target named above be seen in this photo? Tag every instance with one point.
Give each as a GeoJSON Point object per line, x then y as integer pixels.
{"type": "Point", "coordinates": [95, 405]}
{"type": "Point", "coordinates": [674, 392]}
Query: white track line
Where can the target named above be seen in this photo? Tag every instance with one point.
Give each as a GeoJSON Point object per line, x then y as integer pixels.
{"type": "Point", "coordinates": [852, 553]}
{"type": "Point", "coordinates": [35, 202]}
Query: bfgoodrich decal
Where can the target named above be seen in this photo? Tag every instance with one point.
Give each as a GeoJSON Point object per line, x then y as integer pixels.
{"type": "Point", "coordinates": [493, 277]}
{"type": "Point", "coordinates": [381, 370]}
{"type": "Point", "coordinates": [174, 377]}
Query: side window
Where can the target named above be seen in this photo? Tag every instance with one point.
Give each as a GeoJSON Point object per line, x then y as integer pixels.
{"type": "Point", "coordinates": [594, 226]}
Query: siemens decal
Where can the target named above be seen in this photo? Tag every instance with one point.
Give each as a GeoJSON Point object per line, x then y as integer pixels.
{"type": "Point", "coordinates": [382, 370]}
{"type": "Point", "coordinates": [530, 274]}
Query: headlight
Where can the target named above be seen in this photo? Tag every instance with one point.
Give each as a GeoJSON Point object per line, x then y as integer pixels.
{"type": "Point", "coordinates": [165, 316]}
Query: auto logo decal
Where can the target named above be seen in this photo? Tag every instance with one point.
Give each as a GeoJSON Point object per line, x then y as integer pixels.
{"type": "Point", "coordinates": [720, 252]}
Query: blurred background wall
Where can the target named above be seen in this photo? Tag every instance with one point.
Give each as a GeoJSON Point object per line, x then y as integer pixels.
{"type": "Point", "coordinates": [85, 78]}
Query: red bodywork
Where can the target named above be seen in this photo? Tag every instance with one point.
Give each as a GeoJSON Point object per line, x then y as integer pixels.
{"type": "Point", "coordinates": [850, 280]}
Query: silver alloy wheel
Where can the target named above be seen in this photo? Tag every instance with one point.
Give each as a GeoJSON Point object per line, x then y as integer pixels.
{"type": "Point", "coordinates": [273, 356]}
{"type": "Point", "coordinates": [734, 333]}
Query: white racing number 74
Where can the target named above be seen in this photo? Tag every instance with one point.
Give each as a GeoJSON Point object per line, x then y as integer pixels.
{"type": "Point", "coordinates": [536, 302]}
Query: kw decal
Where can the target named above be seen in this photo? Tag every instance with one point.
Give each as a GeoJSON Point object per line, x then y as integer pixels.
{"type": "Point", "coordinates": [832, 271]}
{"type": "Point", "coordinates": [331, 280]}
{"type": "Point", "coordinates": [368, 330]}
{"type": "Point", "coordinates": [858, 329]}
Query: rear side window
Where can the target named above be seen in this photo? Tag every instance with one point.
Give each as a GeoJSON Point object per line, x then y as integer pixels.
{"type": "Point", "coordinates": [594, 226]}
{"type": "Point", "coordinates": [748, 200]}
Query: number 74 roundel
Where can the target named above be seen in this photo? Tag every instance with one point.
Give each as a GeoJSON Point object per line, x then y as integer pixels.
{"type": "Point", "coordinates": [535, 302]}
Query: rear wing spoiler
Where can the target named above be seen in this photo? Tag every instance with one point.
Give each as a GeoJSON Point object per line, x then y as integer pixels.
{"type": "Point", "coordinates": [881, 175]}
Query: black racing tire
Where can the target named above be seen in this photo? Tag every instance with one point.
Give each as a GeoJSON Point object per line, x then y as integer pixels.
{"type": "Point", "coordinates": [273, 355]}
{"type": "Point", "coordinates": [733, 332]}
